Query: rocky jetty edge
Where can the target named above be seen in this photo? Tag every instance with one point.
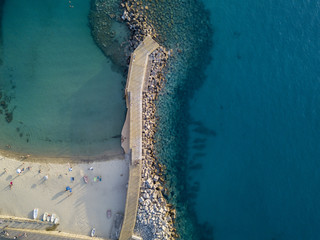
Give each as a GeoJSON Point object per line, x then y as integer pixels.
{"type": "Point", "coordinates": [155, 217]}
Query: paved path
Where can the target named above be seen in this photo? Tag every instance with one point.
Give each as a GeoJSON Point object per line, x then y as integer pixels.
{"type": "Point", "coordinates": [138, 70]}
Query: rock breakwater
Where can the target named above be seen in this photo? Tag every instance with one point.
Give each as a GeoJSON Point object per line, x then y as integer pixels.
{"type": "Point", "coordinates": [133, 15]}
{"type": "Point", "coordinates": [109, 32]}
{"type": "Point", "coordinates": [185, 28]}
{"type": "Point", "coordinates": [155, 217]}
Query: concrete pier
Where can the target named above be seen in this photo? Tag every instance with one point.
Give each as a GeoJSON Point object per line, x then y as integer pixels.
{"type": "Point", "coordinates": [132, 130]}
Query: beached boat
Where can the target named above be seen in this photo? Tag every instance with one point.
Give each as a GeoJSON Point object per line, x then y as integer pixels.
{"type": "Point", "coordinates": [48, 218]}
{"type": "Point", "coordinates": [45, 216]}
{"type": "Point", "coordinates": [85, 179]}
{"type": "Point", "coordinates": [35, 213]}
{"type": "Point", "coordinates": [93, 232]}
{"type": "Point", "coordinates": [53, 217]}
{"type": "Point", "coordinates": [109, 213]}
{"type": "Point", "coordinates": [56, 221]}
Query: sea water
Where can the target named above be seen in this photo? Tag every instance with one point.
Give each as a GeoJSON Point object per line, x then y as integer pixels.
{"type": "Point", "coordinates": [63, 94]}
{"type": "Point", "coordinates": [241, 143]}
{"type": "Point", "coordinates": [255, 139]}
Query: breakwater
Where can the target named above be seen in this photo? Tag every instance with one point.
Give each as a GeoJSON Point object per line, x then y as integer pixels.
{"type": "Point", "coordinates": [184, 29]}
{"type": "Point", "coordinates": [147, 213]}
{"type": "Point", "coordinates": [133, 135]}
{"type": "Point", "coordinates": [155, 219]}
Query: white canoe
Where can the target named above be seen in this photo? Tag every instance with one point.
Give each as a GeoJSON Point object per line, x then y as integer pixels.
{"type": "Point", "coordinates": [35, 213]}
{"type": "Point", "coordinates": [53, 217]}
{"type": "Point", "coordinates": [45, 216]}
{"type": "Point", "coordinates": [56, 221]}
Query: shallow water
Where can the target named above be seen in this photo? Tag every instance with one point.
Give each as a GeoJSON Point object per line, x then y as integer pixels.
{"type": "Point", "coordinates": [66, 99]}
{"type": "Point", "coordinates": [255, 149]}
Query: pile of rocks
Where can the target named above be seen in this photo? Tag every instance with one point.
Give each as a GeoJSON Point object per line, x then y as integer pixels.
{"type": "Point", "coordinates": [103, 18]}
{"type": "Point", "coordinates": [155, 218]}
{"type": "Point", "coordinates": [4, 107]}
{"type": "Point", "coordinates": [133, 14]}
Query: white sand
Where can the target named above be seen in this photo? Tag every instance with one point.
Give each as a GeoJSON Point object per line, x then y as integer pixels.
{"type": "Point", "coordinates": [79, 212]}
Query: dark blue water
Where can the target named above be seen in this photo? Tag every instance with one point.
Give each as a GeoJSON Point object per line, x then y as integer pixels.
{"type": "Point", "coordinates": [258, 135]}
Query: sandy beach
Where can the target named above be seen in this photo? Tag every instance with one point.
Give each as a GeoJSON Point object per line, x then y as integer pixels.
{"type": "Point", "coordinates": [78, 212]}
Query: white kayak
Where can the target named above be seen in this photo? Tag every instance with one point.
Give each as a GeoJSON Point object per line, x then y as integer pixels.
{"type": "Point", "coordinates": [53, 217]}
{"type": "Point", "coordinates": [93, 232]}
{"type": "Point", "coordinates": [35, 213]}
{"type": "Point", "coordinates": [56, 221]}
{"type": "Point", "coordinates": [45, 216]}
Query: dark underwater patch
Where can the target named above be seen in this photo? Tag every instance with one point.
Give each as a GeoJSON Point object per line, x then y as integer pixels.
{"type": "Point", "coordinates": [199, 140]}
{"type": "Point", "coordinates": [103, 17]}
{"type": "Point", "coordinates": [199, 146]}
{"type": "Point", "coordinates": [117, 136]}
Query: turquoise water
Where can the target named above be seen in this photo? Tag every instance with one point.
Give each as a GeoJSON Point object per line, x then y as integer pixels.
{"type": "Point", "coordinates": [255, 138]}
{"type": "Point", "coordinates": [65, 98]}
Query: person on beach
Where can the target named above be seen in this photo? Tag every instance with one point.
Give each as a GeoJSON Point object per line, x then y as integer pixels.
{"type": "Point", "coordinates": [10, 185]}
{"type": "Point", "coordinates": [70, 167]}
{"type": "Point", "coordinates": [5, 170]}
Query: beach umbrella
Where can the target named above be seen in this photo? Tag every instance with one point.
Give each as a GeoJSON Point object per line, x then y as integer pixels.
{"type": "Point", "coordinates": [18, 170]}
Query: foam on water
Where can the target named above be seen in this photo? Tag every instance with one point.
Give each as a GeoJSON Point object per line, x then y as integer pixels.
{"type": "Point", "coordinates": [65, 98]}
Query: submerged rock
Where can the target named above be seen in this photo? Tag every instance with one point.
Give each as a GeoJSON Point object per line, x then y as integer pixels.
{"type": "Point", "coordinates": [9, 116]}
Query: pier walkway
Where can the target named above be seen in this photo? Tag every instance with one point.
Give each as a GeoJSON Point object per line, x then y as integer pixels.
{"type": "Point", "coordinates": [132, 130]}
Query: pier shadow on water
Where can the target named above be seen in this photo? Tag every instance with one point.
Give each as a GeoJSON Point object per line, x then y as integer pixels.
{"type": "Point", "coordinates": [96, 119]}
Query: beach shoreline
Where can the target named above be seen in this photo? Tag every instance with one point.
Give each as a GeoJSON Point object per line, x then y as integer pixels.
{"type": "Point", "coordinates": [105, 156]}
